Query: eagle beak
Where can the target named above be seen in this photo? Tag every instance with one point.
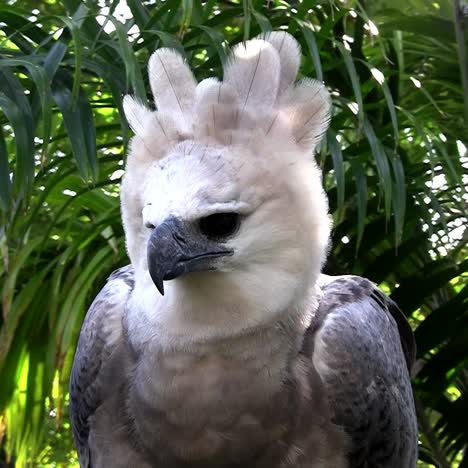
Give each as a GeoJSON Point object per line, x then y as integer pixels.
{"type": "Point", "coordinates": [175, 247]}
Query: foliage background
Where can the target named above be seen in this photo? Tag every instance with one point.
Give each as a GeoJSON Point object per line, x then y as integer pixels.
{"type": "Point", "coordinates": [395, 168]}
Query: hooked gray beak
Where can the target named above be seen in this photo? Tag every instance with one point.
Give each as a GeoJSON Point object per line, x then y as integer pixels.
{"type": "Point", "coordinates": [175, 248]}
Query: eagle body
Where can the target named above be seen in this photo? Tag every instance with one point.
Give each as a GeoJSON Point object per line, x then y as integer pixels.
{"type": "Point", "coordinates": [255, 400]}
{"type": "Point", "coordinates": [222, 344]}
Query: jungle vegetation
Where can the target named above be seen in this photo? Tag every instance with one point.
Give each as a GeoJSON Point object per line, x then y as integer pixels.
{"type": "Point", "coordinates": [395, 169]}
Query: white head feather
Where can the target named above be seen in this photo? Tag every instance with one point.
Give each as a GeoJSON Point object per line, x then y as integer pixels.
{"type": "Point", "coordinates": [246, 145]}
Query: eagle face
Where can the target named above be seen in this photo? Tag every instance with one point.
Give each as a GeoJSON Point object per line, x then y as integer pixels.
{"type": "Point", "coordinates": [214, 213]}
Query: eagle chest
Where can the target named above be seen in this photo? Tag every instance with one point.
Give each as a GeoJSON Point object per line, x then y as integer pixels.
{"type": "Point", "coordinates": [208, 408]}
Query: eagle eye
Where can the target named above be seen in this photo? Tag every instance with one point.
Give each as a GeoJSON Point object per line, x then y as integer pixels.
{"type": "Point", "coordinates": [219, 225]}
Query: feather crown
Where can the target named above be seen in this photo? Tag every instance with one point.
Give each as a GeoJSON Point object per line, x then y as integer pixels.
{"type": "Point", "coordinates": [258, 96]}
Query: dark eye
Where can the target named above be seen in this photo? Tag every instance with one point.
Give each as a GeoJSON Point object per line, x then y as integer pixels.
{"type": "Point", "coordinates": [219, 225]}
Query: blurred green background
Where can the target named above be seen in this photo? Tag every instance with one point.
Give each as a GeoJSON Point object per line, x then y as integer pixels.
{"type": "Point", "coordinates": [395, 168]}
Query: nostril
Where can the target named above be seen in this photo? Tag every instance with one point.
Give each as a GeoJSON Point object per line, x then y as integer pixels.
{"type": "Point", "coordinates": [179, 238]}
{"type": "Point", "coordinates": [149, 225]}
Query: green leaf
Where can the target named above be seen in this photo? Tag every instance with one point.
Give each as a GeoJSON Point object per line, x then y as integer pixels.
{"type": "Point", "coordinates": [73, 25]}
{"type": "Point", "coordinates": [427, 25]}
{"type": "Point", "coordinates": [166, 7]}
{"type": "Point", "coordinates": [54, 57]}
{"type": "Point", "coordinates": [388, 99]}
{"type": "Point", "coordinates": [170, 41]}
{"type": "Point", "coordinates": [24, 170]}
{"type": "Point", "coordinates": [139, 12]}
{"type": "Point", "coordinates": [398, 196]}
{"type": "Point", "coordinates": [361, 196]}
{"type": "Point", "coordinates": [338, 170]}
{"type": "Point", "coordinates": [5, 184]}
{"type": "Point", "coordinates": [187, 10]}
{"type": "Point", "coordinates": [78, 120]}
{"type": "Point", "coordinates": [75, 299]}
{"type": "Point", "coordinates": [309, 37]}
{"type": "Point", "coordinates": [8, 292]}
{"type": "Point", "coordinates": [247, 6]}
{"type": "Point", "coordinates": [132, 68]}
{"type": "Point", "coordinates": [41, 80]}
{"type": "Point", "coordinates": [216, 40]}
{"type": "Point", "coordinates": [262, 21]}
{"type": "Point", "coordinates": [354, 78]}
{"type": "Point", "coordinates": [381, 162]}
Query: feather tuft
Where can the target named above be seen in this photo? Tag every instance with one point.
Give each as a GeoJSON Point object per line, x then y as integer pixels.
{"type": "Point", "coordinates": [216, 109]}
{"type": "Point", "coordinates": [289, 52]}
{"type": "Point", "coordinates": [172, 82]}
{"type": "Point", "coordinates": [253, 71]}
{"type": "Point", "coordinates": [136, 113]}
{"type": "Point", "coordinates": [203, 86]}
{"type": "Point", "coordinates": [306, 108]}
{"type": "Point", "coordinates": [211, 91]}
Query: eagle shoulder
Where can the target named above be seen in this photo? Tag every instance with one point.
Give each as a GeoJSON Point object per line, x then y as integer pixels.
{"type": "Point", "coordinates": [100, 335]}
{"type": "Point", "coordinates": [363, 349]}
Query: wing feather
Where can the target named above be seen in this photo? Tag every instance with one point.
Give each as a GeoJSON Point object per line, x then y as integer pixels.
{"type": "Point", "coordinates": [363, 348]}
{"type": "Point", "coordinates": [100, 335]}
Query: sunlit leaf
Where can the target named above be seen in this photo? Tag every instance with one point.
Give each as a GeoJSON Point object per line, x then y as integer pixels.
{"type": "Point", "coordinates": [79, 122]}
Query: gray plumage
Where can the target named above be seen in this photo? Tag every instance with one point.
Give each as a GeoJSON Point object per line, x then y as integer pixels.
{"type": "Point", "coordinates": [222, 345]}
{"type": "Point", "coordinates": [363, 362]}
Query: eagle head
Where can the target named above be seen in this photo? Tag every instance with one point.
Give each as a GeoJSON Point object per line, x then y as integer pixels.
{"type": "Point", "coordinates": [222, 201]}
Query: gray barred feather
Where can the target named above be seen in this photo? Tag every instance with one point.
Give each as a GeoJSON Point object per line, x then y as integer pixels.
{"type": "Point", "coordinates": [363, 349]}
{"type": "Point", "coordinates": [357, 342]}
{"type": "Point", "coordinates": [101, 335]}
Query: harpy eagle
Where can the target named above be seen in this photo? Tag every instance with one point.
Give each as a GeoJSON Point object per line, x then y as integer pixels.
{"type": "Point", "coordinates": [222, 345]}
